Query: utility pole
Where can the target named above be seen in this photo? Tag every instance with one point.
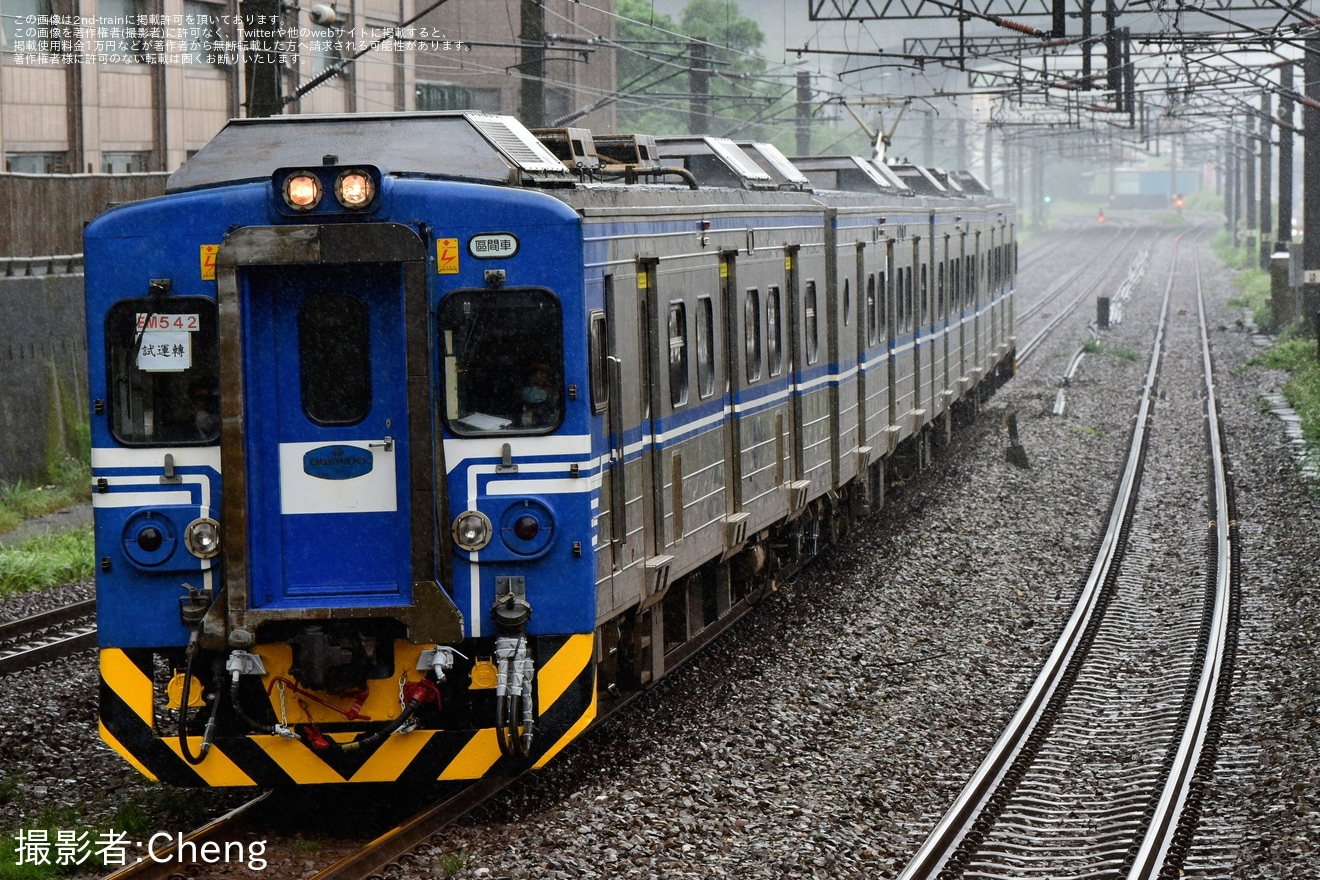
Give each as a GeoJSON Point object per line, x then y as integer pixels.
{"type": "Point", "coordinates": [988, 167]}
{"type": "Point", "coordinates": [1249, 179]}
{"type": "Point", "coordinates": [531, 105]}
{"type": "Point", "coordinates": [699, 85]}
{"type": "Point", "coordinates": [1284, 239]}
{"type": "Point", "coordinates": [1266, 179]}
{"type": "Point", "coordinates": [804, 113]}
{"type": "Point", "coordinates": [263, 76]}
{"type": "Point", "coordinates": [1230, 181]}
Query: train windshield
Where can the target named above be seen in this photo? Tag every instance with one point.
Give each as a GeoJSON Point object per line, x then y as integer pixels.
{"type": "Point", "coordinates": [163, 365]}
{"type": "Point", "coordinates": [503, 361]}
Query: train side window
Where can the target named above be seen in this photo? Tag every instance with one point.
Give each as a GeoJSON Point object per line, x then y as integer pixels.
{"type": "Point", "coordinates": [925, 296]}
{"type": "Point", "coordinates": [163, 364]}
{"type": "Point", "coordinates": [705, 347]}
{"type": "Point", "coordinates": [941, 304]}
{"type": "Point", "coordinates": [908, 286]}
{"type": "Point", "coordinates": [900, 303]}
{"type": "Point", "coordinates": [774, 331]}
{"type": "Point", "coordinates": [872, 318]}
{"type": "Point", "coordinates": [678, 357]}
{"type": "Point", "coordinates": [847, 303]}
{"type": "Point", "coordinates": [752, 334]}
{"type": "Point", "coordinates": [597, 353]}
{"type": "Point", "coordinates": [811, 325]}
{"type": "Point", "coordinates": [503, 360]}
{"type": "Point", "coordinates": [882, 306]}
{"type": "Point", "coordinates": [334, 358]}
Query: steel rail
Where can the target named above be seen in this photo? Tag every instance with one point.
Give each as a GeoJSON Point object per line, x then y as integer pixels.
{"type": "Point", "coordinates": [16, 629]}
{"type": "Point", "coordinates": [958, 821]}
{"type": "Point", "coordinates": [23, 649]}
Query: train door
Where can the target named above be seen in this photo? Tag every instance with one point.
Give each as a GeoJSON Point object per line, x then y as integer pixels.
{"type": "Point", "coordinates": [736, 382]}
{"type": "Point", "coordinates": [864, 337]}
{"type": "Point", "coordinates": [797, 363]}
{"type": "Point", "coordinates": [653, 357]}
{"type": "Point", "coordinates": [607, 400]}
{"type": "Point", "coordinates": [889, 284]}
{"type": "Point", "coordinates": [326, 435]}
{"type": "Point", "coordinates": [841, 308]}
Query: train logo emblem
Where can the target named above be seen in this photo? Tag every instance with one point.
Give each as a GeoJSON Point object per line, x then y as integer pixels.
{"type": "Point", "coordinates": [337, 462]}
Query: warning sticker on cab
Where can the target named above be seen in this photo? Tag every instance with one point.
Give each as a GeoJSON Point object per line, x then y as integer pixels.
{"type": "Point", "coordinates": [446, 256]}
{"type": "Point", "coordinates": [208, 261]}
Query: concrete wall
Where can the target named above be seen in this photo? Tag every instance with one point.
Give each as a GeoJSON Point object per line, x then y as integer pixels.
{"type": "Point", "coordinates": [43, 374]}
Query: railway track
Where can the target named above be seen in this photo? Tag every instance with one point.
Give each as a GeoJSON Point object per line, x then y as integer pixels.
{"type": "Point", "coordinates": [47, 636]}
{"type": "Point", "coordinates": [1077, 287]}
{"type": "Point", "coordinates": [1102, 770]}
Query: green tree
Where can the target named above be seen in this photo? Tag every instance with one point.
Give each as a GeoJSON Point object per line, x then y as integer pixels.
{"type": "Point", "coordinates": [654, 80]}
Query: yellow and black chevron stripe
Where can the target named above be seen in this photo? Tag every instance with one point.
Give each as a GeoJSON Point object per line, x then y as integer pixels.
{"type": "Point", "coordinates": [566, 699]}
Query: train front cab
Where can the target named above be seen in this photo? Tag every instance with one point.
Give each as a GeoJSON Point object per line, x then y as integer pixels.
{"type": "Point", "coordinates": [345, 625]}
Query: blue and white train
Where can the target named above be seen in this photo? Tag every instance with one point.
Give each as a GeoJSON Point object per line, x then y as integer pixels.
{"type": "Point", "coordinates": [413, 434]}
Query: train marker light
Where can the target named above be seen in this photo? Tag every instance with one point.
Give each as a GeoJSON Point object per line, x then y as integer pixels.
{"type": "Point", "coordinates": [202, 537]}
{"type": "Point", "coordinates": [302, 191]}
{"type": "Point", "coordinates": [526, 528]}
{"type": "Point", "coordinates": [355, 189]}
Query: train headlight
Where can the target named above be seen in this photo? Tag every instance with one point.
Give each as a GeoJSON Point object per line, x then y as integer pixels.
{"type": "Point", "coordinates": [203, 537]}
{"type": "Point", "coordinates": [472, 530]}
{"type": "Point", "coordinates": [302, 191]}
{"type": "Point", "coordinates": [355, 189]}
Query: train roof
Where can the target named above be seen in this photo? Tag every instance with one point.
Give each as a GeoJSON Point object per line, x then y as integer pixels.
{"type": "Point", "coordinates": [458, 145]}
{"type": "Point", "coordinates": [850, 173]}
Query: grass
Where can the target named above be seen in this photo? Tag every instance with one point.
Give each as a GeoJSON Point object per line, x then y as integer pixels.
{"type": "Point", "coordinates": [47, 561]}
{"type": "Point", "coordinates": [452, 863]}
{"type": "Point", "coordinates": [70, 483]}
{"type": "Point", "coordinates": [1092, 346]}
{"type": "Point", "coordinates": [1297, 355]}
{"type": "Point", "coordinates": [42, 854]}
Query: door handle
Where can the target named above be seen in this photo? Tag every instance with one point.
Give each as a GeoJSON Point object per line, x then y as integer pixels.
{"type": "Point", "coordinates": [388, 444]}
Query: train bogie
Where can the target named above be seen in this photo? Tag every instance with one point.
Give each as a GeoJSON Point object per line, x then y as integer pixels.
{"type": "Point", "coordinates": [402, 452]}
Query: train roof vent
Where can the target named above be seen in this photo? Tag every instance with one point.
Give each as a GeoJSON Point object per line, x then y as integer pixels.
{"type": "Point", "coordinates": [737, 159]}
{"type": "Point", "coordinates": [848, 173]}
{"type": "Point", "coordinates": [713, 161]}
{"type": "Point", "coordinates": [920, 180]}
{"type": "Point", "coordinates": [456, 145]}
{"type": "Point", "coordinates": [947, 180]}
{"type": "Point", "coordinates": [970, 183]}
{"type": "Point", "coordinates": [509, 136]}
{"type": "Point", "coordinates": [618, 151]}
{"type": "Point", "coordinates": [572, 146]}
{"type": "Point", "coordinates": [777, 163]}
